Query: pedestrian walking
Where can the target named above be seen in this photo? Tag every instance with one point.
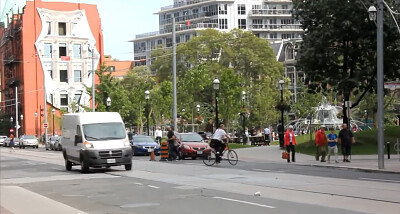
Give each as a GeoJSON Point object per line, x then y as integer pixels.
{"type": "Point", "coordinates": [171, 144]}
{"type": "Point", "coordinates": [321, 141]}
{"type": "Point", "coordinates": [267, 133]}
{"type": "Point", "coordinates": [332, 145]}
{"type": "Point", "coordinates": [290, 142]}
{"type": "Point", "coordinates": [12, 144]}
{"type": "Point", "coordinates": [216, 142]}
{"type": "Point", "coordinates": [158, 135]}
{"type": "Point", "coordinates": [345, 139]}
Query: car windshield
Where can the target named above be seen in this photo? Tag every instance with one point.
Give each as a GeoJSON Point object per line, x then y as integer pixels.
{"type": "Point", "coordinates": [29, 137]}
{"type": "Point", "coordinates": [191, 138]}
{"type": "Point", "coordinates": [143, 139]}
{"type": "Point", "coordinates": [104, 131]}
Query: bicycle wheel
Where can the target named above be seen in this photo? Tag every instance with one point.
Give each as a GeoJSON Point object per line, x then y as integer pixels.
{"type": "Point", "coordinates": [232, 157]}
{"type": "Point", "coordinates": [210, 160]}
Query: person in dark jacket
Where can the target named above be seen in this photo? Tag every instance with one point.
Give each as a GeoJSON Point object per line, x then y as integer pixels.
{"type": "Point", "coordinates": [346, 139]}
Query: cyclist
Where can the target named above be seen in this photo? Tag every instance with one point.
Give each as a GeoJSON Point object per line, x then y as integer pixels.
{"type": "Point", "coordinates": [216, 142]}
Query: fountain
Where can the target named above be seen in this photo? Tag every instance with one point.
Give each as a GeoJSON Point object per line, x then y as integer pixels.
{"type": "Point", "coordinates": [324, 114]}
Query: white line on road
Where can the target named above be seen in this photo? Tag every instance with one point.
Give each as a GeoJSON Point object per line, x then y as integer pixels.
{"type": "Point", "coordinates": [266, 170]}
{"type": "Point", "coordinates": [138, 183]}
{"type": "Point", "coordinates": [244, 202]}
{"type": "Point", "coordinates": [372, 179]}
{"type": "Point", "coordinates": [155, 187]}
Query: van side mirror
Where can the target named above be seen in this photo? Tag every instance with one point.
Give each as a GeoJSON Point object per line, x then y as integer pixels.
{"type": "Point", "coordinates": [78, 139]}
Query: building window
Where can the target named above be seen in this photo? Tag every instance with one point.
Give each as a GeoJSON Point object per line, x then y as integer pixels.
{"type": "Point", "coordinates": [77, 98]}
{"type": "Point", "coordinates": [223, 9]}
{"type": "Point", "coordinates": [62, 28]}
{"type": "Point", "coordinates": [242, 23]}
{"type": "Point", "coordinates": [159, 42]}
{"type": "Point", "coordinates": [64, 76]}
{"type": "Point", "coordinates": [187, 38]}
{"type": "Point", "coordinates": [48, 28]}
{"type": "Point", "coordinates": [64, 99]}
{"type": "Point", "coordinates": [77, 51]}
{"type": "Point", "coordinates": [111, 68]}
{"type": "Point", "coordinates": [241, 9]}
{"type": "Point", "coordinates": [257, 23]}
{"type": "Point", "coordinates": [62, 49]}
{"type": "Point", "coordinates": [285, 6]}
{"type": "Point", "coordinates": [51, 73]}
{"type": "Point", "coordinates": [223, 23]}
{"type": "Point", "coordinates": [48, 48]}
{"type": "Point", "coordinates": [273, 35]}
{"type": "Point", "coordinates": [77, 76]}
{"type": "Point", "coordinates": [52, 98]}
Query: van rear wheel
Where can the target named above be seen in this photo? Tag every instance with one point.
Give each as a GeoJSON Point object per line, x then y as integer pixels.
{"type": "Point", "coordinates": [68, 165]}
{"type": "Point", "coordinates": [128, 167]}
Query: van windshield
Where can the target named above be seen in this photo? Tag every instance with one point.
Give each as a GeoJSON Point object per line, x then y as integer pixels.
{"type": "Point", "coordinates": [103, 131]}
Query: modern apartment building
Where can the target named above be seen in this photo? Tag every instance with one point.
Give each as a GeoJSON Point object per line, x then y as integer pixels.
{"type": "Point", "coordinates": [48, 50]}
{"type": "Point", "coordinates": [268, 19]}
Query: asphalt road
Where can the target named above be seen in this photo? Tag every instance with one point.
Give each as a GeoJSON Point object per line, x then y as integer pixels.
{"type": "Point", "coordinates": [146, 191]}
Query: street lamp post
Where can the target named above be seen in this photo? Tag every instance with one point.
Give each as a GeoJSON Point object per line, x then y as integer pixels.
{"type": "Point", "coordinates": [366, 119]}
{"type": "Point", "coordinates": [147, 97]}
{"type": "Point", "coordinates": [22, 122]}
{"type": "Point", "coordinates": [183, 128]}
{"type": "Point", "coordinates": [12, 121]}
{"type": "Point", "coordinates": [198, 114]}
{"type": "Point", "coordinates": [77, 107]}
{"type": "Point", "coordinates": [244, 115]}
{"type": "Point", "coordinates": [36, 134]}
{"type": "Point", "coordinates": [216, 88]}
{"type": "Point", "coordinates": [378, 14]}
{"type": "Point", "coordinates": [108, 103]}
{"type": "Point", "coordinates": [174, 96]}
{"type": "Point", "coordinates": [282, 128]}
{"type": "Point", "coordinates": [54, 113]}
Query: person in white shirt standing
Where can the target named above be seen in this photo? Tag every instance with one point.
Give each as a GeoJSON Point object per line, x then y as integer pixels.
{"type": "Point", "coordinates": [267, 133]}
{"type": "Point", "coordinates": [216, 142]}
{"type": "Point", "coordinates": [158, 135]}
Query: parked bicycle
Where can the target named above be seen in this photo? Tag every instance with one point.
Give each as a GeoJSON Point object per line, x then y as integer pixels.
{"type": "Point", "coordinates": [231, 156]}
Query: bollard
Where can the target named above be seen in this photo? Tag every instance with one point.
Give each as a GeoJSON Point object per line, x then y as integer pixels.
{"type": "Point", "coordinates": [152, 156]}
{"type": "Point", "coordinates": [164, 151]}
{"type": "Point", "coordinates": [388, 149]}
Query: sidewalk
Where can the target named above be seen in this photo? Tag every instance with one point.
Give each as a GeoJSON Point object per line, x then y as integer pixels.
{"type": "Point", "coordinates": [273, 154]}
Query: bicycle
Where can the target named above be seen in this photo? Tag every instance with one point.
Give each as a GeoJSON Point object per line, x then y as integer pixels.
{"type": "Point", "coordinates": [232, 156]}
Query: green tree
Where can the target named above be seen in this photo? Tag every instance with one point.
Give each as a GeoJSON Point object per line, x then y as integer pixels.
{"type": "Point", "coordinates": [338, 52]}
{"type": "Point", "coordinates": [239, 59]}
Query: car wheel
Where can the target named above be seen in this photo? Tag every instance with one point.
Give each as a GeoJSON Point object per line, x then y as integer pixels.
{"type": "Point", "coordinates": [84, 167]}
{"type": "Point", "coordinates": [68, 165]}
{"type": "Point", "coordinates": [128, 167]}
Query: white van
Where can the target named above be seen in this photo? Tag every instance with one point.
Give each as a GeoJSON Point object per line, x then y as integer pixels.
{"type": "Point", "coordinates": [95, 139]}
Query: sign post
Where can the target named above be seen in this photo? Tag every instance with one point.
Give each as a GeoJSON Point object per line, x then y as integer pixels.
{"type": "Point", "coordinates": [45, 125]}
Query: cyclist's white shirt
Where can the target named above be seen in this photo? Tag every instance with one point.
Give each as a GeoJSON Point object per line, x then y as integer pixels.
{"type": "Point", "coordinates": [218, 134]}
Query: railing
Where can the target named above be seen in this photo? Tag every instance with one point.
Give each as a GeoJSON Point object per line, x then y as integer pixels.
{"type": "Point", "coordinates": [276, 27]}
{"type": "Point", "coordinates": [182, 3]}
{"type": "Point", "coordinates": [189, 17]}
{"type": "Point", "coordinates": [179, 28]}
{"type": "Point", "coordinates": [271, 12]}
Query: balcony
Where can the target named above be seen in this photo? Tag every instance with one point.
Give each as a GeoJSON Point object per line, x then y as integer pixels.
{"type": "Point", "coordinates": [183, 3]}
{"type": "Point", "coordinates": [270, 13]}
{"type": "Point", "coordinates": [276, 27]}
{"type": "Point", "coordinates": [192, 17]}
{"type": "Point", "coordinates": [179, 28]}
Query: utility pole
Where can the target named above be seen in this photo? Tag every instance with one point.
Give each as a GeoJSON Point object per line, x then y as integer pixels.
{"type": "Point", "coordinates": [16, 111]}
{"type": "Point", "coordinates": [93, 84]}
{"type": "Point", "coordinates": [174, 98]}
{"type": "Point", "coordinates": [380, 84]}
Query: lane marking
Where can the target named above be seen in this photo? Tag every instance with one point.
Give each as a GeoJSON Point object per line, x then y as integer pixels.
{"type": "Point", "coordinates": [155, 187]}
{"type": "Point", "coordinates": [244, 202]}
{"type": "Point", "coordinates": [372, 179]}
{"type": "Point", "coordinates": [139, 184]}
{"type": "Point", "coordinates": [266, 170]}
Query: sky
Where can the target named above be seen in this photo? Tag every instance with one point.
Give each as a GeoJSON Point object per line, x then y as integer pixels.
{"type": "Point", "coordinates": [122, 20]}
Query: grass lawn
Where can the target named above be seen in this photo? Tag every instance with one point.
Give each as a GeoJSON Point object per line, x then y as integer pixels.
{"type": "Point", "coordinates": [366, 142]}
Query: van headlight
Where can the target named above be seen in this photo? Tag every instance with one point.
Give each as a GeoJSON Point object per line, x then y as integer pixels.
{"type": "Point", "coordinates": [88, 145]}
{"type": "Point", "coordinates": [126, 143]}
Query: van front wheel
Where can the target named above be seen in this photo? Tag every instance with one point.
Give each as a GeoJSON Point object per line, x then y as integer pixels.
{"type": "Point", "coordinates": [84, 167]}
{"type": "Point", "coordinates": [128, 167]}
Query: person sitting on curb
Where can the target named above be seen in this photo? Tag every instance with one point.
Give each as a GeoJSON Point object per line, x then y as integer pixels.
{"type": "Point", "coordinates": [320, 141]}
{"type": "Point", "coordinates": [290, 142]}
